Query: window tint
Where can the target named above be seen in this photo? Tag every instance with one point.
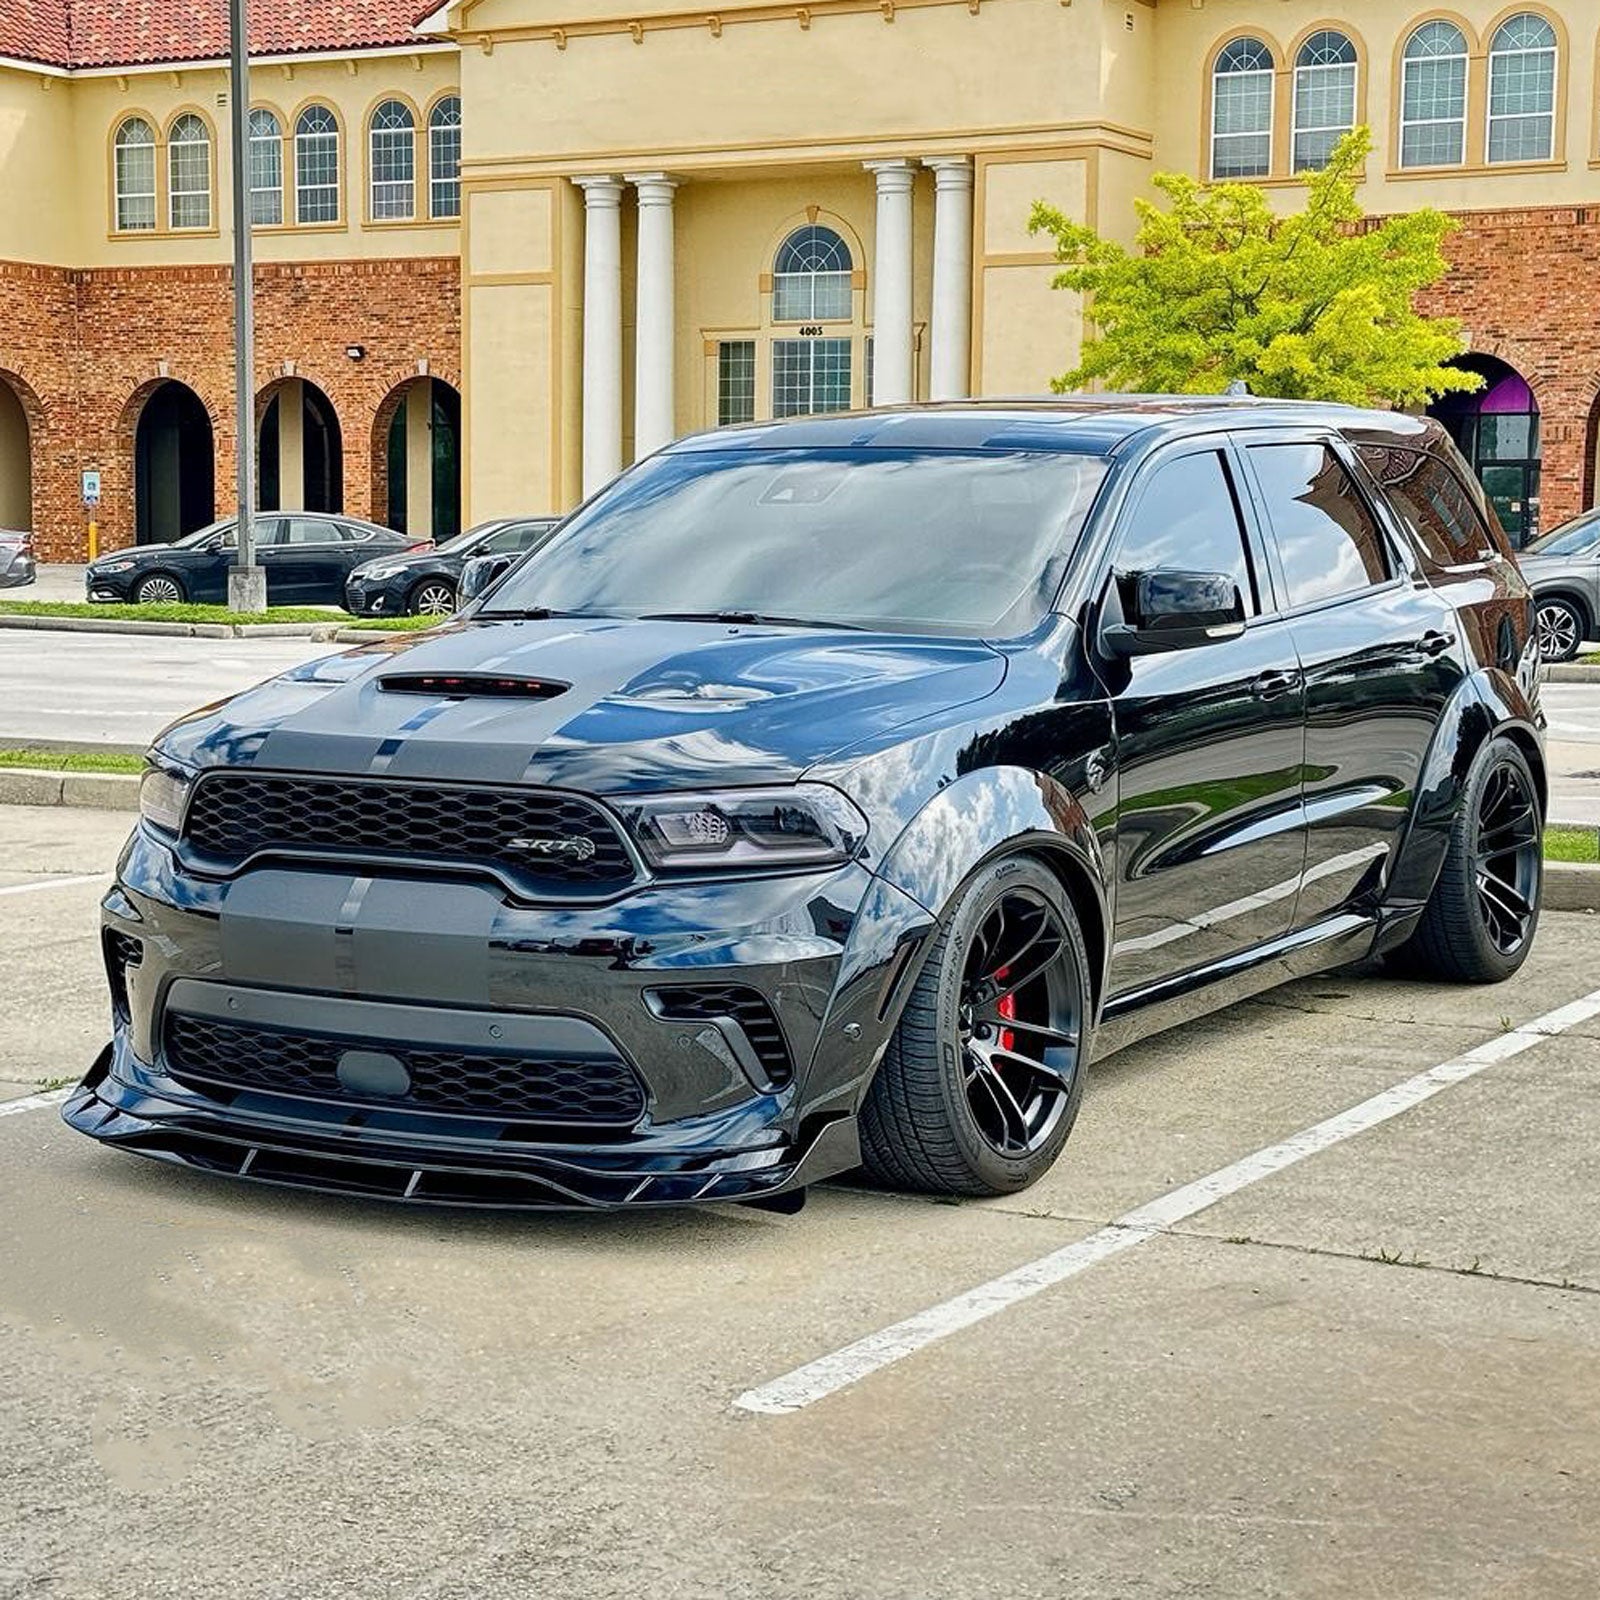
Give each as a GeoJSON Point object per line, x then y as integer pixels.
{"type": "Point", "coordinates": [517, 537]}
{"type": "Point", "coordinates": [1327, 538]}
{"type": "Point", "coordinates": [1432, 502]}
{"type": "Point", "coordinates": [1187, 520]}
{"type": "Point", "coordinates": [304, 530]}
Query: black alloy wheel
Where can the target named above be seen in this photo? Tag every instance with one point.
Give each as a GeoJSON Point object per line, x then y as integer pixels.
{"type": "Point", "coordinates": [983, 1079]}
{"type": "Point", "coordinates": [1480, 921]}
{"type": "Point", "coordinates": [1561, 629]}
{"type": "Point", "coordinates": [433, 597]}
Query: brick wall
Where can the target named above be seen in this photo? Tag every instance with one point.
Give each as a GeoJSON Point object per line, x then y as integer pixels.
{"type": "Point", "coordinates": [85, 349]}
{"type": "Point", "coordinates": [1526, 285]}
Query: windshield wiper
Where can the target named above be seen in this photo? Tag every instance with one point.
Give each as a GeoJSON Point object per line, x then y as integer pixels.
{"type": "Point", "coordinates": [536, 614]}
{"type": "Point", "coordinates": [760, 618]}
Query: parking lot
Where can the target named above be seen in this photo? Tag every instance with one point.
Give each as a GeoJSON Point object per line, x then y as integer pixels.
{"type": "Point", "coordinates": [1371, 1369]}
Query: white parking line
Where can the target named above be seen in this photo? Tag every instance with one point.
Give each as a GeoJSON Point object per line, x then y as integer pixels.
{"type": "Point", "coordinates": [55, 883]}
{"type": "Point", "coordinates": [828, 1374]}
{"type": "Point", "coordinates": [33, 1102]}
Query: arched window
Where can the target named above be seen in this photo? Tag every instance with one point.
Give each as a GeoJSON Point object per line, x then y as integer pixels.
{"type": "Point", "coordinates": [135, 176]}
{"type": "Point", "coordinates": [444, 157]}
{"type": "Point", "coordinates": [1522, 90]}
{"type": "Point", "coordinates": [189, 172]}
{"type": "Point", "coordinates": [1241, 111]}
{"type": "Point", "coordinates": [1433, 97]}
{"type": "Point", "coordinates": [316, 166]}
{"type": "Point", "coordinates": [266, 169]}
{"type": "Point", "coordinates": [1324, 97]}
{"type": "Point", "coordinates": [811, 277]}
{"type": "Point", "coordinates": [393, 163]}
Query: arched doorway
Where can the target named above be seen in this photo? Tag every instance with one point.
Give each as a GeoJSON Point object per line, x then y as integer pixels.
{"type": "Point", "coordinates": [16, 461]}
{"type": "Point", "coordinates": [417, 455]}
{"type": "Point", "coordinates": [174, 467]}
{"type": "Point", "coordinates": [300, 459]}
{"type": "Point", "coordinates": [1497, 429]}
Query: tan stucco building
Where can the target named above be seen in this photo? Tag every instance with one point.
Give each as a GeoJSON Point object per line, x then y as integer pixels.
{"type": "Point", "coordinates": [559, 234]}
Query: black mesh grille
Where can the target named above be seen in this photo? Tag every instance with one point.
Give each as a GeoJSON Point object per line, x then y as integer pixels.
{"type": "Point", "coordinates": [122, 951]}
{"type": "Point", "coordinates": [543, 839]}
{"type": "Point", "coordinates": [702, 1002]}
{"type": "Point", "coordinates": [204, 1053]}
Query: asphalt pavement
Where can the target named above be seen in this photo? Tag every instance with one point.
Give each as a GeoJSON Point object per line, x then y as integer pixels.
{"type": "Point", "coordinates": [1368, 1368]}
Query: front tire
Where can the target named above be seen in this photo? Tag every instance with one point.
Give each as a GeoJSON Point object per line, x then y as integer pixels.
{"type": "Point", "coordinates": [983, 1078]}
{"type": "Point", "coordinates": [1561, 628]}
{"type": "Point", "coordinates": [159, 589]}
{"type": "Point", "coordinates": [1484, 910]}
{"type": "Point", "coordinates": [433, 597]}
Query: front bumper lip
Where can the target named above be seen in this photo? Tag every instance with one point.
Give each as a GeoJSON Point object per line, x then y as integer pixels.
{"type": "Point", "coordinates": [442, 1171]}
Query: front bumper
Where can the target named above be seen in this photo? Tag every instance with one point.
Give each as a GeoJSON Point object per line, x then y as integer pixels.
{"type": "Point", "coordinates": [19, 571]}
{"type": "Point", "coordinates": [441, 964]}
{"type": "Point", "coordinates": [366, 597]}
{"type": "Point", "coordinates": [116, 587]}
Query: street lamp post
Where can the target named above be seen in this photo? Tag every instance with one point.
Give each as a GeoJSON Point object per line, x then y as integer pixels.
{"type": "Point", "coordinates": [247, 583]}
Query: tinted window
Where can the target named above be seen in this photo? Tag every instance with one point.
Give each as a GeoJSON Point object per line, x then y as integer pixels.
{"type": "Point", "coordinates": [1433, 503]}
{"type": "Point", "coordinates": [1187, 520]}
{"type": "Point", "coordinates": [509, 540]}
{"type": "Point", "coordinates": [304, 530]}
{"type": "Point", "coordinates": [970, 541]}
{"type": "Point", "coordinates": [1327, 538]}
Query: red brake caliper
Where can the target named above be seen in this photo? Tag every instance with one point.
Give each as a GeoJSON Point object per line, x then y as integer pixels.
{"type": "Point", "coordinates": [1007, 1008]}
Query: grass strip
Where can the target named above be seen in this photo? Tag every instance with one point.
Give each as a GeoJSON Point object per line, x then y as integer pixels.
{"type": "Point", "coordinates": [183, 611]}
{"type": "Point", "coordinates": [1572, 844]}
{"type": "Point", "coordinates": [72, 760]}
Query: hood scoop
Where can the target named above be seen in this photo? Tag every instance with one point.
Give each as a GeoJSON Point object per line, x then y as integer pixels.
{"type": "Point", "coordinates": [471, 685]}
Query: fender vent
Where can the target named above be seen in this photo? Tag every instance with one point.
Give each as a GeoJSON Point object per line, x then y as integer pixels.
{"type": "Point", "coordinates": [461, 685]}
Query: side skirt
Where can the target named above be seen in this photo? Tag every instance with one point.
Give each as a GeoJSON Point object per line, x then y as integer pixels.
{"type": "Point", "coordinates": [1334, 942]}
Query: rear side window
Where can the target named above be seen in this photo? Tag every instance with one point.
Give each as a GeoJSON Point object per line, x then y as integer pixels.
{"type": "Point", "coordinates": [1187, 520]}
{"type": "Point", "coordinates": [1432, 502]}
{"type": "Point", "coordinates": [1327, 539]}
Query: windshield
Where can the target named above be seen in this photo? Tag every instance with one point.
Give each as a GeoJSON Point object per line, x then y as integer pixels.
{"type": "Point", "coordinates": [200, 535]}
{"type": "Point", "coordinates": [961, 541]}
{"type": "Point", "coordinates": [1576, 539]}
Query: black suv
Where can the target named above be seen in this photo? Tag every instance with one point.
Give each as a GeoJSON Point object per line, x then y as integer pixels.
{"type": "Point", "coordinates": [830, 792]}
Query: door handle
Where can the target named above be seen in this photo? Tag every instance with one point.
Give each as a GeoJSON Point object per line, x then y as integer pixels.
{"type": "Point", "coordinates": [1434, 642]}
{"type": "Point", "coordinates": [1274, 685]}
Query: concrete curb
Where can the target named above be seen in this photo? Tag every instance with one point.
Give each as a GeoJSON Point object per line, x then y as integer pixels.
{"type": "Point", "coordinates": [315, 632]}
{"type": "Point", "coordinates": [1571, 886]}
{"type": "Point", "coordinates": [1572, 672]}
{"type": "Point", "coordinates": [98, 791]}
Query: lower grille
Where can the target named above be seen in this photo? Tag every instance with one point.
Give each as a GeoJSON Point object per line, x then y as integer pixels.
{"type": "Point", "coordinates": [206, 1054]}
{"type": "Point", "coordinates": [709, 1002]}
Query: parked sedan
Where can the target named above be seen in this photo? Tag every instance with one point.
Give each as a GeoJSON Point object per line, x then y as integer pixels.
{"type": "Point", "coordinates": [834, 792]}
{"type": "Point", "coordinates": [1564, 569]}
{"type": "Point", "coordinates": [427, 581]}
{"type": "Point", "coordinates": [307, 557]}
{"type": "Point", "coordinates": [16, 559]}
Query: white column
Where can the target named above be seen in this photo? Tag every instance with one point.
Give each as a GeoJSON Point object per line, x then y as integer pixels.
{"type": "Point", "coordinates": [419, 459]}
{"type": "Point", "coordinates": [950, 377]}
{"type": "Point", "coordinates": [602, 330]}
{"type": "Point", "coordinates": [892, 375]}
{"type": "Point", "coordinates": [653, 331]}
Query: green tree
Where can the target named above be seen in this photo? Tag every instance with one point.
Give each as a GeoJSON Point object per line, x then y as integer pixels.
{"type": "Point", "coordinates": [1220, 287]}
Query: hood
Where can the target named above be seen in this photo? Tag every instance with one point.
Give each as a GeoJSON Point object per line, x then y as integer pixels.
{"type": "Point", "coordinates": [430, 556]}
{"type": "Point", "coordinates": [622, 706]}
{"type": "Point", "coordinates": [1551, 566]}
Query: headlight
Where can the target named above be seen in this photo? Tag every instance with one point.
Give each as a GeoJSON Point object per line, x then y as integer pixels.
{"type": "Point", "coordinates": [112, 566]}
{"type": "Point", "coordinates": [375, 574]}
{"type": "Point", "coordinates": [805, 824]}
{"type": "Point", "coordinates": [163, 793]}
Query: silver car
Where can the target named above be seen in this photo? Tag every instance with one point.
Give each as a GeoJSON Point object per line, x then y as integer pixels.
{"type": "Point", "coordinates": [1563, 569]}
{"type": "Point", "coordinates": [16, 558]}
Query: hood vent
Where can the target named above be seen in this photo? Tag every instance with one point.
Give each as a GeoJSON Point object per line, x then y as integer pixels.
{"type": "Point", "coordinates": [462, 685]}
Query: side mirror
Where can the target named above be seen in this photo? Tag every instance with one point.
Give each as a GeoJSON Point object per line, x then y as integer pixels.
{"type": "Point", "coordinates": [1171, 611]}
{"type": "Point", "coordinates": [480, 572]}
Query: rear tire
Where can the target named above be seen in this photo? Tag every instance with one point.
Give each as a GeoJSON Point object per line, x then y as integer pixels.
{"type": "Point", "coordinates": [983, 1078]}
{"type": "Point", "coordinates": [1562, 627]}
{"type": "Point", "coordinates": [1484, 910]}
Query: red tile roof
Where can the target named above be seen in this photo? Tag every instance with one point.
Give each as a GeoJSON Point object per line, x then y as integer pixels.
{"type": "Point", "coordinates": [126, 33]}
